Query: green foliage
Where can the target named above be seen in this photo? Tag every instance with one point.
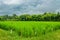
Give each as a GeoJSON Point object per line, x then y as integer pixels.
{"type": "Point", "coordinates": [47, 16]}
{"type": "Point", "coordinates": [25, 17]}
{"type": "Point", "coordinates": [30, 29]}
{"type": "Point", "coordinates": [6, 35]}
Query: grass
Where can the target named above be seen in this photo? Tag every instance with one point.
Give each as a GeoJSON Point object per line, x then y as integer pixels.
{"type": "Point", "coordinates": [50, 36]}
{"type": "Point", "coordinates": [30, 30]}
{"type": "Point", "coordinates": [6, 35]}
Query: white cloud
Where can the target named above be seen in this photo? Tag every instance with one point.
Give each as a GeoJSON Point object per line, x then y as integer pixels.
{"type": "Point", "coordinates": [10, 2]}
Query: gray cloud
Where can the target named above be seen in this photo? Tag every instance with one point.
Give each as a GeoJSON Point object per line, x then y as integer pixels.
{"type": "Point", "coordinates": [28, 6]}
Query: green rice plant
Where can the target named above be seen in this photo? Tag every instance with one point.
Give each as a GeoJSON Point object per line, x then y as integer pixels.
{"type": "Point", "coordinates": [30, 28]}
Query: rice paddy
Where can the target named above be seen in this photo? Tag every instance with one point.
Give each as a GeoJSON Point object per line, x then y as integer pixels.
{"type": "Point", "coordinates": [29, 29]}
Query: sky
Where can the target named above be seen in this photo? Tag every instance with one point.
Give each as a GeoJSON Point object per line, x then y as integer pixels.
{"type": "Point", "coordinates": [28, 6]}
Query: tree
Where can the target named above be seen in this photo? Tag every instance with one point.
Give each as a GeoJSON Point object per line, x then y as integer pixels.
{"type": "Point", "coordinates": [25, 17]}
{"type": "Point", "coordinates": [39, 17]}
{"type": "Point", "coordinates": [34, 18]}
{"type": "Point", "coordinates": [14, 17]}
{"type": "Point", "coordinates": [47, 16]}
{"type": "Point", "coordinates": [58, 16]}
{"type": "Point", "coordinates": [5, 17]}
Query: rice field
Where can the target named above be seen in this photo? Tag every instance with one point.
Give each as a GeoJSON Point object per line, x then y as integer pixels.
{"type": "Point", "coordinates": [29, 29]}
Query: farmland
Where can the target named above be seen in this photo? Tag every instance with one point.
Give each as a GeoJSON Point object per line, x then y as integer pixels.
{"type": "Point", "coordinates": [29, 30]}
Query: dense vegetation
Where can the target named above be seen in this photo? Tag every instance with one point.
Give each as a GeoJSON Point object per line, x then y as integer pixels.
{"type": "Point", "coordinates": [47, 16]}
{"type": "Point", "coordinates": [30, 29]}
{"type": "Point", "coordinates": [6, 35]}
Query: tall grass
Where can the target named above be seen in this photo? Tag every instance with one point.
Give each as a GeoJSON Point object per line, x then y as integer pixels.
{"type": "Point", "coordinates": [30, 29]}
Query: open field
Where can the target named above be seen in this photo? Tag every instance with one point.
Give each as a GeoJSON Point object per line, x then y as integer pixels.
{"type": "Point", "coordinates": [29, 30]}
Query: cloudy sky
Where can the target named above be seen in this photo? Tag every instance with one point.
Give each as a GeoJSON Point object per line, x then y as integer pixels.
{"type": "Point", "coordinates": [28, 6]}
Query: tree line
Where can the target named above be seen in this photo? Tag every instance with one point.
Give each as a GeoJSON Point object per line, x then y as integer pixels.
{"type": "Point", "coordinates": [27, 17]}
